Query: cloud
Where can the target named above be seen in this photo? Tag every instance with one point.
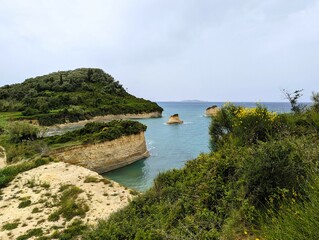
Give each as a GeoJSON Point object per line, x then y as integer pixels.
{"type": "Point", "coordinates": [212, 50]}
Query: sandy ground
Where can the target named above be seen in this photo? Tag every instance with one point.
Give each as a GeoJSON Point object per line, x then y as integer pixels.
{"type": "Point", "coordinates": [3, 158]}
{"type": "Point", "coordinates": [41, 186]}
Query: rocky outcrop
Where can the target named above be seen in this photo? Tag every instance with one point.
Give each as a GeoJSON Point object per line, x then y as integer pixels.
{"type": "Point", "coordinates": [42, 188]}
{"type": "Point", "coordinates": [60, 128]}
{"type": "Point", "coordinates": [106, 156]}
{"type": "Point", "coordinates": [174, 119]}
{"type": "Point", "coordinates": [212, 111]}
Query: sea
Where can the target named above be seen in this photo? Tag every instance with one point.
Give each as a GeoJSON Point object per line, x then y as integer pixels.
{"type": "Point", "coordinates": [171, 146]}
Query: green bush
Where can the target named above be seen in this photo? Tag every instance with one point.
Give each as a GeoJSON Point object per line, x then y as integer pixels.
{"type": "Point", "coordinates": [21, 131]}
{"type": "Point", "coordinates": [243, 126]}
{"type": "Point", "coordinates": [8, 173]}
{"type": "Point", "coordinates": [99, 132]}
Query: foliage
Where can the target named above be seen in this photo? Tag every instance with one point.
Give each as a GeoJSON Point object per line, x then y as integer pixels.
{"type": "Point", "coordinates": [10, 226]}
{"type": "Point", "coordinates": [8, 173]}
{"type": "Point", "coordinates": [216, 192]}
{"type": "Point", "coordinates": [293, 99]}
{"type": "Point", "coordinates": [69, 205]}
{"type": "Point", "coordinates": [294, 220]}
{"type": "Point", "coordinates": [21, 131]}
{"type": "Point", "coordinates": [70, 96]}
{"type": "Point", "coordinates": [34, 232]}
{"type": "Point", "coordinates": [315, 99]}
{"type": "Point", "coordinates": [243, 126]}
{"type": "Point", "coordinates": [99, 132]}
{"type": "Point", "coordinates": [24, 203]}
{"type": "Point", "coordinates": [76, 228]}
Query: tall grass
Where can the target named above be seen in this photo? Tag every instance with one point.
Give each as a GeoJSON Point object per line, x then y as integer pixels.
{"type": "Point", "coordinates": [295, 220]}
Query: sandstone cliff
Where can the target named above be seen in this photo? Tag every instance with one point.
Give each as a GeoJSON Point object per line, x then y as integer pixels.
{"type": "Point", "coordinates": [174, 119]}
{"type": "Point", "coordinates": [106, 156]}
{"type": "Point", "coordinates": [212, 111]}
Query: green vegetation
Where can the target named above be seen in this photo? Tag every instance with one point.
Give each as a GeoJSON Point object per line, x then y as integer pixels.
{"type": "Point", "coordinates": [70, 96]}
{"type": "Point", "coordinates": [24, 203]}
{"type": "Point", "coordinates": [35, 232]}
{"type": "Point", "coordinates": [69, 205]}
{"type": "Point", "coordinates": [21, 142]}
{"type": "Point", "coordinates": [8, 173]}
{"type": "Point", "coordinates": [99, 132]}
{"type": "Point", "coordinates": [92, 179]}
{"type": "Point", "coordinates": [76, 228]}
{"type": "Point", "coordinates": [10, 226]}
{"type": "Point", "coordinates": [262, 173]}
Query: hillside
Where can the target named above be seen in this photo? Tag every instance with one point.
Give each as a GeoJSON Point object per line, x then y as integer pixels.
{"type": "Point", "coordinates": [70, 96]}
{"type": "Point", "coordinates": [260, 182]}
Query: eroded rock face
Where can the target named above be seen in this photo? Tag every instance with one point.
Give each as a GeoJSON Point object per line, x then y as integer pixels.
{"type": "Point", "coordinates": [106, 156]}
{"type": "Point", "coordinates": [174, 119]}
{"type": "Point", "coordinates": [212, 111]}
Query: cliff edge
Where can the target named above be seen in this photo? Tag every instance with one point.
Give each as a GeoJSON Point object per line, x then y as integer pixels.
{"type": "Point", "coordinates": [105, 156]}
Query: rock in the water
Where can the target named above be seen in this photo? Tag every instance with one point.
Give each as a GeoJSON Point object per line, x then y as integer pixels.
{"type": "Point", "coordinates": [212, 111]}
{"type": "Point", "coordinates": [174, 119]}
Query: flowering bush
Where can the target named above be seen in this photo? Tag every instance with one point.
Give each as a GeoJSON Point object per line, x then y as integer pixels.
{"type": "Point", "coordinates": [243, 126]}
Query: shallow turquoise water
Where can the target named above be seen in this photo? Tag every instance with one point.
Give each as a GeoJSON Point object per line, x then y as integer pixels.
{"type": "Point", "coordinates": [171, 146]}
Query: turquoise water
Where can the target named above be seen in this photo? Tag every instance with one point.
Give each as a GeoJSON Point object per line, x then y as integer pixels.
{"type": "Point", "coordinates": [171, 146]}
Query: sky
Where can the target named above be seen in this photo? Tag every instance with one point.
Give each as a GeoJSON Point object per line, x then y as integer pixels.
{"type": "Point", "coordinates": [168, 50]}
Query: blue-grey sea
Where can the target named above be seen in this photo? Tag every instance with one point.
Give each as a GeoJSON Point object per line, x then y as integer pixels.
{"type": "Point", "coordinates": [171, 146]}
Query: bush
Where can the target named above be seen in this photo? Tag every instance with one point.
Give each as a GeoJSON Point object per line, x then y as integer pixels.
{"type": "Point", "coordinates": [243, 126]}
{"type": "Point", "coordinates": [21, 131]}
{"type": "Point", "coordinates": [99, 132]}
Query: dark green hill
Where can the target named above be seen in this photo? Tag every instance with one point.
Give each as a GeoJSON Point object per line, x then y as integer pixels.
{"type": "Point", "coordinates": [71, 96]}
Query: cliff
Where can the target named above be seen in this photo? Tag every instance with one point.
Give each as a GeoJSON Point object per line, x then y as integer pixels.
{"type": "Point", "coordinates": [35, 200]}
{"type": "Point", "coordinates": [174, 119]}
{"type": "Point", "coordinates": [212, 111]}
{"type": "Point", "coordinates": [106, 156]}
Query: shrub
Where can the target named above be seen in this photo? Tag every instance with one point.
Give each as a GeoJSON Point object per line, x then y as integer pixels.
{"type": "Point", "coordinates": [243, 126]}
{"type": "Point", "coordinates": [20, 131]}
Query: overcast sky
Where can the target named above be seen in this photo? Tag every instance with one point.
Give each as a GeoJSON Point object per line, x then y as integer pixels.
{"type": "Point", "coordinates": [215, 50]}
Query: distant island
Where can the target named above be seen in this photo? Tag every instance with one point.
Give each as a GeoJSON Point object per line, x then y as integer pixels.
{"type": "Point", "coordinates": [190, 101]}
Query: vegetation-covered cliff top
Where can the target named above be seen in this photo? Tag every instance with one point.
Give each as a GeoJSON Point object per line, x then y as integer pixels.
{"type": "Point", "coordinates": [70, 96]}
{"type": "Point", "coordinates": [21, 139]}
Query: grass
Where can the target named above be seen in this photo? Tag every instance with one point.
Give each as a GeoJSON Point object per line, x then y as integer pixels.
{"type": "Point", "coordinates": [35, 232]}
{"type": "Point", "coordinates": [24, 203]}
{"type": "Point", "coordinates": [69, 206]}
{"type": "Point", "coordinates": [10, 226]}
{"type": "Point", "coordinates": [8, 173]}
{"type": "Point", "coordinates": [295, 220]}
{"type": "Point", "coordinates": [92, 179]}
{"type": "Point", "coordinates": [6, 117]}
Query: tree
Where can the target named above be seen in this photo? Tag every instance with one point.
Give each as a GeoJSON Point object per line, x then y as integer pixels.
{"type": "Point", "coordinates": [293, 99]}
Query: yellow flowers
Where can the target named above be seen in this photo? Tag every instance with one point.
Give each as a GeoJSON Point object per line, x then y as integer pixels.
{"type": "Point", "coordinates": [257, 112]}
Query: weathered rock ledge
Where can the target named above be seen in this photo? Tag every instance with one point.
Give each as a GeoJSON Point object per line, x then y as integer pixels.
{"type": "Point", "coordinates": [212, 111]}
{"type": "Point", "coordinates": [174, 119]}
{"type": "Point", "coordinates": [106, 156]}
